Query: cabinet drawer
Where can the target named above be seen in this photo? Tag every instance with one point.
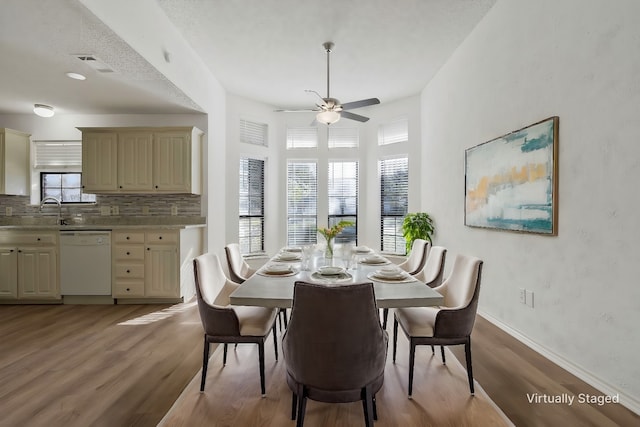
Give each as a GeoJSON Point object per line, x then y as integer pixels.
{"type": "Point", "coordinates": [28, 239]}
{"type": "Point", "coordinates": [162, 237]}
{"type": "Point", "coordinates": [135, 237]}
{"type": "Point", "coordinates": [129, 252]}
{"type": "Point", "coordinates": [128, 288]}
{"type": "Point", "coordinates": [133, 271]}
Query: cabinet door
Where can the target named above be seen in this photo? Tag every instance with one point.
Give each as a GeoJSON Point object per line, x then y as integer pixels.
{"type": "Point", "coordinates": [8, 273]}
{"type": "Point", "coordinates": [161, 276]}
{"type": "Point", "coordinates": [38, 273]}
{"type": "Point", "coordinates": [135, 161]}
{"type": "Point", "coordinates": [172, 161]}
{"type": "Point", "coordinates": [99, 161]}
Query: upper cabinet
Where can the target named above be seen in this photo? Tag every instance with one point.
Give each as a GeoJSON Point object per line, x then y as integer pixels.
{"type": "Point", "coordinates": [14, 162]}
{"type": "Point", "coordinates": [141, 160]}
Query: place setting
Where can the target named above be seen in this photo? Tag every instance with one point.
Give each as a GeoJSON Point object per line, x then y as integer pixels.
{"type": "Point", "coordinates": [391, 275]}
{"type": "Point", "coordinates": [288, 256]}
{"type": "Point", "coordinates": [374, 260]}
{"type": "Point", "coordinates": [277, 269]}
{"type": "Point", "coordinates": [331, 274]}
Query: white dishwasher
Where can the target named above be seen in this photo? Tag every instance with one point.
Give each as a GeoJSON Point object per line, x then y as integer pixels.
{"type": "Point", "coordinates": [85, 262]}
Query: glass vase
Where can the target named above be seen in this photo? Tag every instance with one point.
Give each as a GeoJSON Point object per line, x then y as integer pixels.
{"type": "Point", "coordinates": [328, 252]}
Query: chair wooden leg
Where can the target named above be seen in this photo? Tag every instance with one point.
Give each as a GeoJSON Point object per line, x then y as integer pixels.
{"type": "Point", "coordinates": [284, 314]}
{"type": "Point", "coordinates": [302, 405]}
{"type": "Point", "coordinates": [433, 351]}
{"type": "Point", "coordinates": [467, 352]}
{"type": "Point", "coordinates": [412, 359]}
{"type": "Point", "coordinates": [395, 338]}
{"type": "Point", "coordinates": [205, 363]}
{"type": "Point", "coordinates": [444, 362]}
{"type": "Point", "coordinates": [275, 341]}
{"type": "Point", "coordinates": [385, 315]}
{"type": "Point", "coordinates": [367, 403]}
{"type": "Point", "coordinates": [261, 360]}
{"type": "Point", "coordinates": [224, 355]}
{"type": "Point", "coordinates": [294, 404]}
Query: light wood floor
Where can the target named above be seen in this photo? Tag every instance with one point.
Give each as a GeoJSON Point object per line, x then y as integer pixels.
{"type": "Point", "coordinates": [125, 365]}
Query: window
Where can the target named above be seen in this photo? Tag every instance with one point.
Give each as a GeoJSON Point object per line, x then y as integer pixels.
{"type": "Point", "coordinates": [251, 221]}
{"type": "Point", "coordinates": [394, 197]}
{"type": "Point", "coordinates": [253, 133]}
{"type": "Point", "coordinates": [302, 138]}
{"type": "Point", "coordinates": [64, 186]}
{"type": "Point", "coordinates": [393, 132]}
{"type": "Point", "coordinates": [302, 194]}
{"type": "Point", "coordinates": [53, 154]}
{"type": "Point", "coordinates": [343, 198]}
{"type": "Point", "coordinates": [343, 137]}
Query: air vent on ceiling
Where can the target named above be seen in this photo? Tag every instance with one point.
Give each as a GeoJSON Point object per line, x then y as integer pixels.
{"type": "Point", "coordinates": [94, 62]}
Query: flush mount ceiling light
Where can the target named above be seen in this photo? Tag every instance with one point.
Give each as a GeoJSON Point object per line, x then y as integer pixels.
{"type": "Point", "coordinates": [75, 76]}
{"type": "Point", "coordinates": [43, 110]}
{"type": "Point", "coordinates": [328, 117]}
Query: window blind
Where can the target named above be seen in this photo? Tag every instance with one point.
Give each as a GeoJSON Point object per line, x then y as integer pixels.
{"type": "Point", "coordinates": [340, 137]}
{"type": "Point", "coordinates": [57, 153]}
{"type": "Point", "coordinates": [306, 137]}
{"type": "Point", "coordinates": [393, 132]}
{"type": "Point", "coordinates": [343, 198]}
{"type": "Point", "coordinates": [394, 201]}
{"type": "Point", "coordinates": [302, 195]}
{"type": "Point", "coordinates": [251, 205]}
{"type": "Point", "coordinates": [254, 133]}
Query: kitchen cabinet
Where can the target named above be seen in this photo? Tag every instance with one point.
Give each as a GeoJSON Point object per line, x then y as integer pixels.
{"type": "Point", "coordinates": [154, 263]}
{"type": "Point", "coordinates": [147, 160]}
{"type": "Point", "coordinates": [14, 162]}
{"type": "Point", "coordinates": [29, 265]}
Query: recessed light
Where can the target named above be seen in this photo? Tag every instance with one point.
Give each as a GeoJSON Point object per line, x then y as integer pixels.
{"type": "Point", "coordinates": [76, 76]}
{"type": "Point", "coordinates": [43, 110]}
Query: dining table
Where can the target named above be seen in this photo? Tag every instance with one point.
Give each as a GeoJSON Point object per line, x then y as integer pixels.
{"type": "Point", "coordinates": [272, 285]}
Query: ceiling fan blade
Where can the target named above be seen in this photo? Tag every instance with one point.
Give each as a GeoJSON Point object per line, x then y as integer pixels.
{"type": "Point", "coordinates": [352, 116]}
{"type": "Point", "coordinates": [361, 103]}
{"type": "Point", "coordinates": [307, 110]}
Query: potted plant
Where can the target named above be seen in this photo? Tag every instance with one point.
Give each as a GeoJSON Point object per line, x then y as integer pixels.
{"type": "Point", "coordinates": [417, 225]}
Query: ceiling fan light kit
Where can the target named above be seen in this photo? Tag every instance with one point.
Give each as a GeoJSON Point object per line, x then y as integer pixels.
{"type": "Point", "coordinates": [330, 110]}
{"type": "Point", "coordinates": [43, 110]}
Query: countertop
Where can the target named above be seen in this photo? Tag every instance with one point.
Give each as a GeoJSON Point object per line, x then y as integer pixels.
{"type": "Point", "coordinates": [101, 223]}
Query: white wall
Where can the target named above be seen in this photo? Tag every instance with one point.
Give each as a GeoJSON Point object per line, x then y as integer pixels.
{"type": "Point", "coordinates": [524, 62]}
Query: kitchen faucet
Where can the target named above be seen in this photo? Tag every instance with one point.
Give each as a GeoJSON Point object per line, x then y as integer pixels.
{"type": "Point", "coordinates": [57, 202]}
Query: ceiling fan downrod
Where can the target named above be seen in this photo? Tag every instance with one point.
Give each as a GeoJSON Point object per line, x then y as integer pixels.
{"type": "Point", "coordinates": [327, 47]}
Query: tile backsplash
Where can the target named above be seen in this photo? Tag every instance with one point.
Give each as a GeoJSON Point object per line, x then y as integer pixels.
{"type": "Point", "coordinates": [116, 205]}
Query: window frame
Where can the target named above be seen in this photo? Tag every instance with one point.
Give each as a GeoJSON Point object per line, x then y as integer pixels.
{"type": "Point", "coordinates": [242, 217]}
{"type": "Point", "coordinates": [297, 239]}
{"type": "Point", "coordinates": [399, 246]}
{"type": "Point", "coordinates": [44, 188]}
{"type": "Point", "coordinates": [333, 219]}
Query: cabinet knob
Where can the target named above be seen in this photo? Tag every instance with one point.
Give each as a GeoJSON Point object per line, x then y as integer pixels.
{"type": "Point", "coordinates": [38, 239]}
{"type": "Point", "coordinates": [156, 186]}
{"type": "Point", "coordinates": [121, 186]}
{"type": "Point", "coordinates": [10, 250]}
{"type": "Point", "coordinates": [159, 238]}
{"type": "Point", "coordinates": [148, 249]}
{"type": "Point", "coordinates": [128, 289]}
{"type": "Point", "coordinates": [128, 271]}
{"type": "Point", "coordinates": [127, 237]}
{"type": "Point", "coordinates": [128, 253]}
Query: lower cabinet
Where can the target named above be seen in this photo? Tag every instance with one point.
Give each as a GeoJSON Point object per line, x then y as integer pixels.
{"type": "Point", "coordinates": [154, 263]}
{"type": "Point", "coordinates": [29, 265]}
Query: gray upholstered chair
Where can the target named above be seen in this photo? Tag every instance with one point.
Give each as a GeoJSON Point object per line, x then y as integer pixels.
{"type": "Point", "coordinates": [334, 349]}
{"type": "Point", "coordinates": [239, 270]}
{"type": "Point", "coordinates": [450, 324]}
{"type": "Point", "coordinates": [225, 324]}
{"type": "Point", "coordinates": [433, 269]}
{"type": "Point", "coordinates": [431, 273]}
{"type": "Point", "coordinates": [417, 256]}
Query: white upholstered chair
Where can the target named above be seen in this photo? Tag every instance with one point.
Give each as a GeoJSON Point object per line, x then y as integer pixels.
{"type": "Point", "coordinates": [449, 324]}
{"type": "Point", "coordinates": [417, 256]}
{"type": "Point", "coordinates": [225, 324]}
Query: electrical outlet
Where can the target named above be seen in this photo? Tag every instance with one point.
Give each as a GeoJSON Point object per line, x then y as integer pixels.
{"type": "Point", "coordinates": [523, 296]}
{"type": "Point", "coordinates": [8, 211]}
{"type": "Point", "coordinates": [145, 210]}
{"type": "Point", "coordinates": [529, 298]}
{"type": "Point", "coordinates": [105, 210]}
{"type": "Point", "coordinates": [174, 210]}
{"type": "Point", "coordinates": [115, 210]}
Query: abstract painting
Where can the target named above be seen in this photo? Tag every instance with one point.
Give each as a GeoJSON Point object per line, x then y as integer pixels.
{"type": "Point", "coordinates": [511, 182]}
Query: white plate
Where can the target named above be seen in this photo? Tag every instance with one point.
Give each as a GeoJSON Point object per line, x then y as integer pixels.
{"type": "Point", "coordinates": [374, 260]}
{"type": "Point", "coordinates": [330, 271]}
{"type": "Point", "coordinates": [277, 269]}
{"type": "Point", "coordinates": [292, 249]}
{"type": "Point", "coordinates": [288, 256]}
{"type": "Point", "coordinates": [361, 250]}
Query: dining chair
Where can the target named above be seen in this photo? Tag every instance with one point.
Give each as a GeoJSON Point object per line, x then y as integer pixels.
{"type": "Point", "coordinates": [431, 274]}
{"type": "Point", "coordinates": [449, 324]}
{"type": "Point", "coordinates": [335, 349]}
{"type": "Point", "coordinates": [226, 324]}
{"type": "Point", "coordinates": [417, 256]}
{"type": "Point", "coordinates": [239, 271]}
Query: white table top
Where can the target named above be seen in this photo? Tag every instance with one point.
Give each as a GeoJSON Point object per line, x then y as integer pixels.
{"type": "Point", "coordinates": [277, 291]}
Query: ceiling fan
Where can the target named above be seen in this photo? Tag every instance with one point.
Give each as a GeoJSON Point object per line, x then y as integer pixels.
{"type": "Point", "coordinates": [330, 110]}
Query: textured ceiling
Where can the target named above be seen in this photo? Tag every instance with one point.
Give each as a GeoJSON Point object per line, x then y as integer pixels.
{"type": "Point", "coordinates": [268, 50]}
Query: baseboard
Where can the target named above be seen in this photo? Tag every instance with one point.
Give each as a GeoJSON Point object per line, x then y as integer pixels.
{"type": "Point", "coordinates": [625, 400]}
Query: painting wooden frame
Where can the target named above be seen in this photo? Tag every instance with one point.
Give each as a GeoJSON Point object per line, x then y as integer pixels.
{"type": "Point", "coordinates": [511, 182]}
